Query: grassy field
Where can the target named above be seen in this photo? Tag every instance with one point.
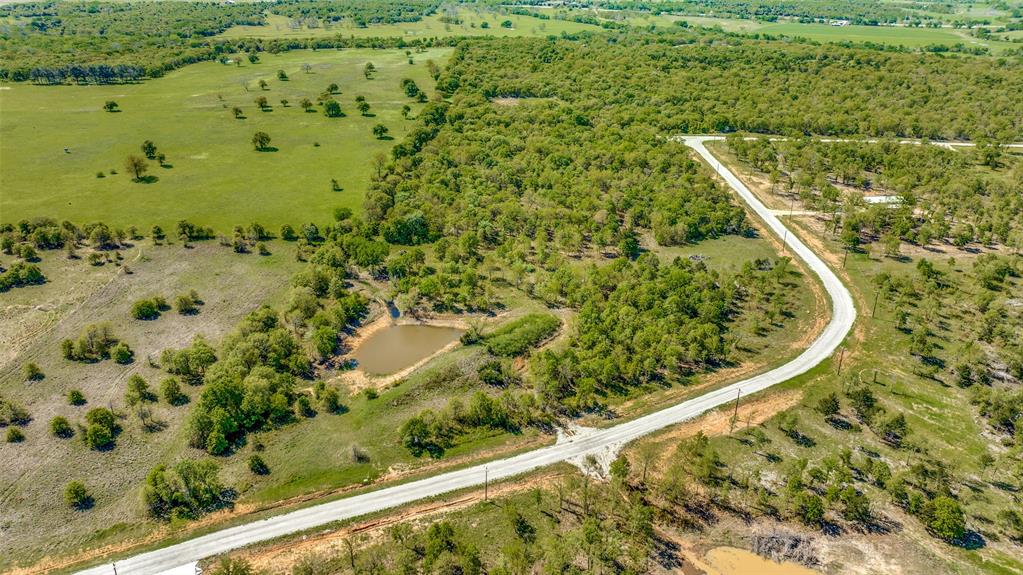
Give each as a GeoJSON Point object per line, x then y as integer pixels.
{"type": "Point", "coordinates": [214, 177]}
{"type": "Point", "coordinates": [33, 322]}
{"type": "Point", "coordinates": [428, 27]}
{"type": "Point", "coordinates": [893, 35]}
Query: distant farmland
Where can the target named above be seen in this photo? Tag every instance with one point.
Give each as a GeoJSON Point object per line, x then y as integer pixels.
{"type": "Point", "coordinates": [213, 175]}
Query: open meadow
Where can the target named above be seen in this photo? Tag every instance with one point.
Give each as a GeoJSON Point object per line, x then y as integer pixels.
{"type": "Point", "coordinates": [56, 140]}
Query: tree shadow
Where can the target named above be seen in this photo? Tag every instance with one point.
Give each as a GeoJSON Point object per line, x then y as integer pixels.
{"type": "Point", "coordinates": [801, 439]}
{"type": "Point", "coordinates": [971, 540]}
{"type": "Point", "coordinates": [148, 179]}
{"type": "Point", "coordinates": [385, 138]}
{"type": "Point", "coordinates": [267, 149]}
{"type": "Point", "coordinates": [167, 166]}
{"type": "Point", "coordinates": [85, 504]}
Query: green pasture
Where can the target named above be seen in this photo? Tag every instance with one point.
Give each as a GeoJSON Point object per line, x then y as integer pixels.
{"type": "Point", "coordinates": [213, 175]}
{"type": "Point", "coordinates": [429, 27]}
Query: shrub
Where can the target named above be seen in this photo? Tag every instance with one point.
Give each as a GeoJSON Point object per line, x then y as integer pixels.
{"type": "Point", "coordinates": [145, 309]}
{"type": "Point", "coordinates": [101, 428]}
{"type": "Point", "coordinates": [77, 496]}
{"type": "Point", "coordinates": [15, 435]}
{"type": "Point", "coordinates": [138, 391]}
{"type": "Point", "coordinates": [185, 305]}
{"type": "Point", "coordinates": [60, 427]}
{"type": "Point", "coordinates": [258, 466]}
{"type": "Point", "coordinates": [945, 518]}
{"type": "Point", "coordinates": [12, 413]}
{"type": "Point", "coordinates": [187, 490]}
{"type": "Point", "coordinates": [170, 389]}
{"type": "Point", "coordinates": [32, 372]}
{"type": "Point", "coordinates": [516, 337]}
{"type": "Point", "coordinates": [122, 353]}
{"type": "Point", "coordinates": [303, 407]}
{"type": "Point", "coordinates": [75, 397]}
{"type": "Point", "coordinates": [331, 400]}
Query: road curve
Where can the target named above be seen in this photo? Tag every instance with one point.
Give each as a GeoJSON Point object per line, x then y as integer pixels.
{"type": "Point", "coordinates": [570, 448]}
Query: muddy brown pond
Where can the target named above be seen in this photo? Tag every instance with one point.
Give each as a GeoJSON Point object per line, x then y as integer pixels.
{"type": "Point", "coordinates": [396, 347]}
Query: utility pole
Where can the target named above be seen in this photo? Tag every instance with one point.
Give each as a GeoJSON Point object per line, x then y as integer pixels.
{"type": "Point", "coordinates": [841, 356]}
{"type": "Point", "coordinates": [486, 477]}
{"type": "Point", "coordinates": [735, 414]}
{"type": "Point", "coordinates": [114, 565]}
{"type": "Point", "coordinates": [873, 309]}
{"type": "Point", "coordinates": [845, 257]}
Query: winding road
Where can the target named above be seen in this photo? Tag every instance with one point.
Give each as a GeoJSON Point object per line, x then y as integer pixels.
{"type": "Point", "coordinates": [574, 448]}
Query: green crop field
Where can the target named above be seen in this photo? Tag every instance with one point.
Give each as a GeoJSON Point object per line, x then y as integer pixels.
{"type": "Point", "coordinates": [214, 176]}
{"type": "Point", "coordinates": [429, 27]}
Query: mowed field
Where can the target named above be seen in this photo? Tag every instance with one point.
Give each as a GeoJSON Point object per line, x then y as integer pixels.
{"type": "Point", "coordinates": [429, 27]}
{"type": "Point", "coordinates": [214, 176]}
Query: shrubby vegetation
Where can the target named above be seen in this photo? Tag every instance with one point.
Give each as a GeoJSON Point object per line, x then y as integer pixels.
{"type": "Point", "coordinates": [12, 413]}
{"type": "Point", "coordinates": [19, 275]}
{"type": "Point", "coordinates": [184, 491]}
{"type": "Point", "coordinates": [101, 429]}
{"type": "Point", "coordinates": [94, 344]}
{"type": "Point", "coordinates": [518, 336]}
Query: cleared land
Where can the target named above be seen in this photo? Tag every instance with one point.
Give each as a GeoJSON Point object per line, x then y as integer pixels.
{"type": "Point", "coordinates": [214, 176]}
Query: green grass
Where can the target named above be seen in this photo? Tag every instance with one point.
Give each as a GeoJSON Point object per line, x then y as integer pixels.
{"type": "Point", "coordinates": [217, 178]}
{"type": "Point", "coordinates": [428, 27]}
{"type": "Point", "coordinates": [892, 35]}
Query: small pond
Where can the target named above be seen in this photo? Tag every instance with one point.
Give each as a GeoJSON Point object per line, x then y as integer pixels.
{"type": "Point", "coordinates": [732, 561]}
{"type": "Point", "coordinates": [396, 347]}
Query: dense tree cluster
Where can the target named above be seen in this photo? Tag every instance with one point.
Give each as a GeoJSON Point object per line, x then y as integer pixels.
{"type": "Point", "coordinates": [639, 322]}
{"type": "Point", "coordinates": [691, 83]}
{"type": "Point", "coordinates": [956, 196]}
{"type": "Point", "coordinates": [102, 42]}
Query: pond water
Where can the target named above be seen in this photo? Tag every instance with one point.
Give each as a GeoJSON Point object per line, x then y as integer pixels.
{"type": "Point", "coordinates": [733, 561]}
{"type": "Point", "coordinates": [396, 347]}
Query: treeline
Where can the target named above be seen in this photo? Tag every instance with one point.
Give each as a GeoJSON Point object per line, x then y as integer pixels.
{"type": "Point", "coordinates": [855, 11]}
{"type": "Point", "coordinates": [955, 196]}
{"type": "Point", "coordinates": [111, 42]}
{"type": "Point", "coordinates": [681, 82]}
{"type": "Point", "coordinates": [361, 13]}
{"type": "Point", "coordinates": [58, 42]}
